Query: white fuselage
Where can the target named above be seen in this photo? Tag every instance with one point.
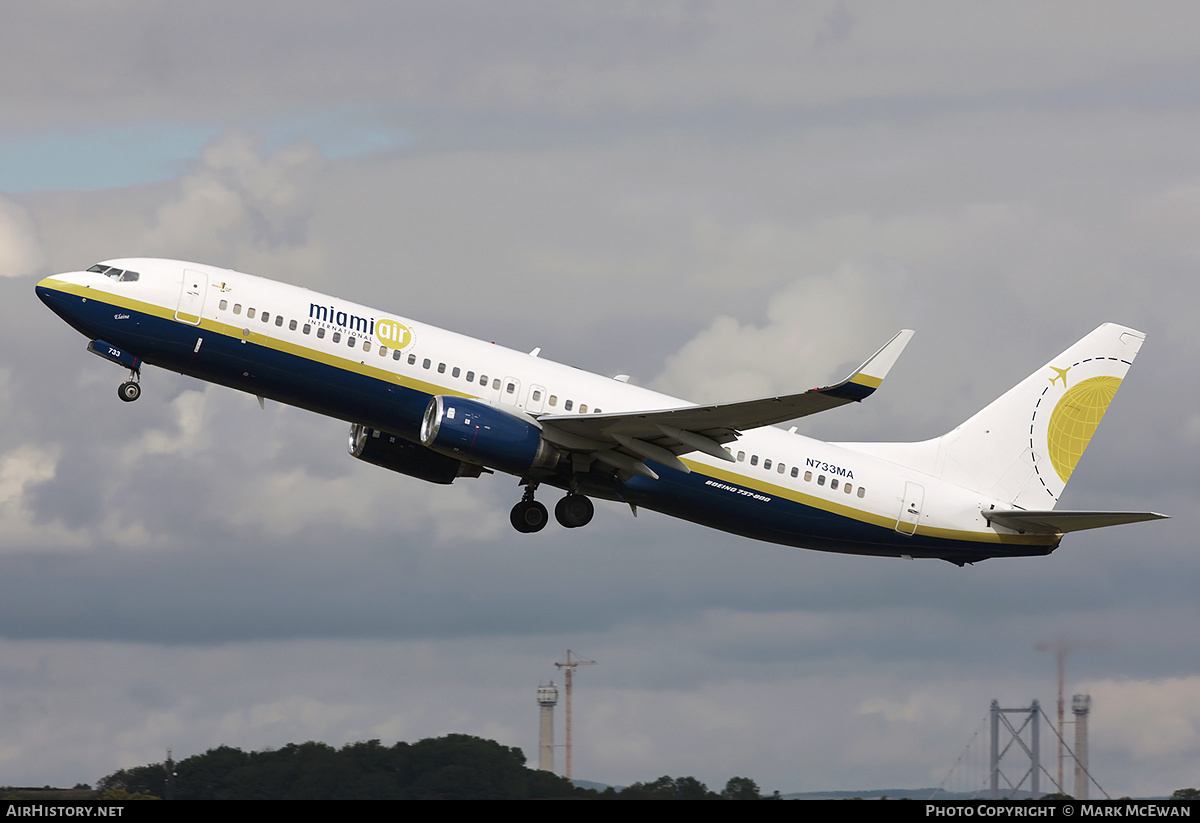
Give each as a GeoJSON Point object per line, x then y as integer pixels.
{"type": "Point", "coordinates": [375, 368]}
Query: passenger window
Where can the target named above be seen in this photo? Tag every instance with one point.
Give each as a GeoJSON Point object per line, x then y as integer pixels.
{"type": "Point", "coordinates": [456, 372]}
{"type": "Point", "coordinates": [849, 487]}
{"type": "Point", "coordinates": [224, 304]}
{"type": "Point", "coordinates": [383, 351]}
{"type": "Point", "coordinates": [351, 340]}
{"type": "Point", "coordinates": [861, 491]}
{"type": "Point", "coordinates": [595, 411]}
{"type": "Point", "coordinates": [250, 313]}
{"type": "Point", "coordinates": [483, 379]}
{"type": "Point", "coordinates": [279, 321]}
{"type": "Point", "coordinates": [781, 468]}
{"type": "Point", "coordinates": [412, 360]}
{"type": "Point", "coordinates": [337, 337]}
{"type": "Point", "coordinates": [568, 405]}
{"type": "Point", "coordinates": [291, 325]}
{"type": "Point", "coordinates": [496, 384]}
{"type": "Point", "coordinates": [470, 377]}
{"type": "Point", "coordinates": [741, 457]}
{"type": "Point", "coordinates": [554, 400]}
{"type": "Point", "coordinates": [795, 472]}
{"type": "Point", "coordinates": [833, 484]}
{"type": "Point", "coordinates": [583, 408]}
{"type": "Point", "coordinates": [307, 328]}
{"type": "Point", "coordinates": [441, 368]}
{"type": "Point", "coordinates": [237, 308]}
{"type": "Point", "coordinates": [766, 464]}
{"type": "Point", "coordinates": [808, 477]}
{"type": "Point", "coordinates": [821, 480]}
{"type": "Point", "coordinates": [396, 354]}
{"type": "Point", "coordinates": [266, 316]}
{"type": "Point", "coordinates": [754, 460]}
{"type": "Point", "coordinates": [426, 363]}
{"type": "Point", "coordinates": [321, 332]}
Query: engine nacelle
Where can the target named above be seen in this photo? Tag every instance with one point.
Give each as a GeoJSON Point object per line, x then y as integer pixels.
{"type": "Point", "coordinates": [393, 452]}
{"type": "Point", "coordinates": [488, 436]}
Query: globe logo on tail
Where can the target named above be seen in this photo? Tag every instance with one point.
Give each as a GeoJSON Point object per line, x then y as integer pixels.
{"type": "Point", "coordinates": [1075, 418]}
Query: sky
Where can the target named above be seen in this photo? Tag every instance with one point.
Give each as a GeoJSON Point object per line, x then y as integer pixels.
{"type": "Point", "coordinates": [722, 200]}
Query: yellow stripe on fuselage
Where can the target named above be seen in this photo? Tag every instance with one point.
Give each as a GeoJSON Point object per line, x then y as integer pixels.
{"type": "Point", "coordinates": [861, 516]}
{"type": "Point", "coordinates": [250, 336]}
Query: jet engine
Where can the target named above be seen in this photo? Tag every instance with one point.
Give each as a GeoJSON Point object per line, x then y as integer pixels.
{"type": "Point", "coordinates": [486, 435]}
{"type": "Point", "coordinates": [393, 452]}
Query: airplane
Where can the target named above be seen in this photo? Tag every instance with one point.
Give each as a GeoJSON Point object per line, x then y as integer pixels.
{"type": "Point", "coordinates": [440, 406]}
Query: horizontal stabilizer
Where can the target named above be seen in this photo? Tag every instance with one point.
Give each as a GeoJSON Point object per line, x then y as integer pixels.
{"type": "Point", "coordinates": [1060, 522]}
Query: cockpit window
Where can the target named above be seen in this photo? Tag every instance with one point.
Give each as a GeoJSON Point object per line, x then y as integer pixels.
{"type": "Point", "coordinates": [116, 274]}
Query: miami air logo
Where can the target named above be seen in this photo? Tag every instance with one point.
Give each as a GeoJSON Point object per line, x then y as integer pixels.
{"type": "Point", "coordinates": [1074, 420]}
{"type": "Point", "coordinates": [393, 334]}
{"type": "Point", "coordinates": [1072, 403]}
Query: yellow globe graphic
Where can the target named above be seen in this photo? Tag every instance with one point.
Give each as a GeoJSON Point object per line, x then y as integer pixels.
{"type": "Point", "coordinates": [1075, 419]}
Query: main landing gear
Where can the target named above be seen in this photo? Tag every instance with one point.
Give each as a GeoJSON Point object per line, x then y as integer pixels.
{"type": "Point", "coordinates": [574, 510]}
{"type": "Point", "coordinates": [130, 390]}
{"type": "Point", "coordinates": [530, 516]}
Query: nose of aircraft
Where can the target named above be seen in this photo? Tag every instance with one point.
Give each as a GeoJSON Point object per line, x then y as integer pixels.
{"type": "Point", "coordinates": [48, 290]}
{"type": "Point", "coordinates": [53, 291]}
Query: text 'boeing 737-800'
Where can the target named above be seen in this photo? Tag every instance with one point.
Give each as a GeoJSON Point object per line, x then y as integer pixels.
{"type": "Point", "coordinates": [439, 406]}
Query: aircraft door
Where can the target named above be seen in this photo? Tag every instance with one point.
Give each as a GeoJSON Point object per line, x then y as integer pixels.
{"type": "Point", "coordinates": [536, 400]}
{"type": "Point", "coordinates": [510, 391]}
{"type": "Point", "coordinates": [910, 508]}
{"type": "Point", "coordinates": [191, 297]}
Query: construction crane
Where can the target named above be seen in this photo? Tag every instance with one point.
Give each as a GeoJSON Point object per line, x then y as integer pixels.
{"type": "Point", "coordinates": [569, 668]}
{"type": "Point", "coordinates": [1060, 647]}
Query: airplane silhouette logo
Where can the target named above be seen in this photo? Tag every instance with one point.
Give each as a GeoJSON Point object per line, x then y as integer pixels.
{"type": "Point", "coordinates": [1061, 373]}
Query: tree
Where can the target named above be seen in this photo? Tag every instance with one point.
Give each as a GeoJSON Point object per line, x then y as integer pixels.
{"type": "Point", "coordinates": [668, 788]}
{"type": "Point", "coordinates": [151, 780]}
{"type": "Point", "coordinates": [741, 788]}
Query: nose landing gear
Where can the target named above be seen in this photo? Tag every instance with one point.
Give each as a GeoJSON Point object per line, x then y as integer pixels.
{"type": "Point", "coordinates": [130, 390]}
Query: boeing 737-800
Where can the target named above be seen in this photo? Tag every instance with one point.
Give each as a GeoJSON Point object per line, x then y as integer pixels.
{"type": "Point", "coordinates": [439, 406]}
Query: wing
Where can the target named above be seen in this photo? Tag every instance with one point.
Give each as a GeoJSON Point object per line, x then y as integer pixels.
{"type": "Point", "coordinates": [625, 439]}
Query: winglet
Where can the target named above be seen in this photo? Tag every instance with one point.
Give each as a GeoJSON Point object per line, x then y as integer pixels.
{"type": "Point", "coordinates": [866, 379]}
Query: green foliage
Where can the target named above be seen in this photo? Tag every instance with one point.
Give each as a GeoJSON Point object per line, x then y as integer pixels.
{"type": "Point", "coordinates": [1185, 794]}
{"type": "Point", "coordinates": [741, 788]}
{"type": "Point", "coordinates": [668, 788]}
{"type": "Point", "coordinates": [120, 795]}
{"type": "Point", "coordinates": [455, 767]}
{"type": "Point", "coordinates": [147, 780]}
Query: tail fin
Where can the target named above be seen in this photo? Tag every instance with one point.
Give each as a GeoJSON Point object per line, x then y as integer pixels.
{"type": "Point", "coordinates": [1023, 447]}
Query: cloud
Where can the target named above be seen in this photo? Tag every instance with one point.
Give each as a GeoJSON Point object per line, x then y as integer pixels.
{"type": "Point", "coordinates": [240, 197]}
{"type": "Point", "coordinates": [811, 328]}
{"type": "Point", "coordinates": [1152, 719]}
{"type": "Point", "coordinates": [21, 250]}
